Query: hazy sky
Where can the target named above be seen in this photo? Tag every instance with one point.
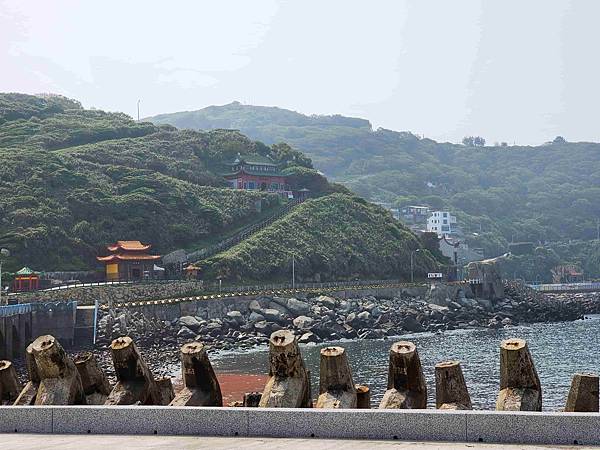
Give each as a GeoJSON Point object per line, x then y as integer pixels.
{"type": "Point", "coordinates": [508, 70]}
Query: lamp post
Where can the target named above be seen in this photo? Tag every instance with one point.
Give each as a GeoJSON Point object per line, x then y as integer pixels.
{"type": "Point", "coordinates": [412, 264]}
{"type": "Point", "coordinates": [4, 253]}
{"type": "Point", "coordinates": [293, 271]}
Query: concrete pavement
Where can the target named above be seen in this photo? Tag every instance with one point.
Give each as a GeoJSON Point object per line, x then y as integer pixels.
{"type": "Point", "coordinates": [18, 441]}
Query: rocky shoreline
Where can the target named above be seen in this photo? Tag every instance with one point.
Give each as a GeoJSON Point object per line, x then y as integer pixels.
{"type": "Point", "coordinates": [320, 318]}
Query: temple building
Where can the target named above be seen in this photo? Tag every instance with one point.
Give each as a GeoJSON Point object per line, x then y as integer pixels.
{"type": "Point", "coordinates": [129, 261]}
{"type": "Point", "coordinates": [26, 280]}
{"type": "Point", "coordinates": [256, 172]}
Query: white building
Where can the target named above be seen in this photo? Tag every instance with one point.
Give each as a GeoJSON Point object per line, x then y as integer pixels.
{"type": "Point", "coordinates": [442, 223]}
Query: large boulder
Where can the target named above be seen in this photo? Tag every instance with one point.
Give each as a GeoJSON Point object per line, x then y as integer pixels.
{"type": "Point", "coordinates": [236, 316]}
{"type": "Point", "coordinates": [411, 324]}
{"type": "Point", "coordinates": [282, 309]}
{"type": "Point", "coordinates": [326, 301]}
{"type": "Point", "coordinates": [190, 322]}
{"type": "Point", "coordinates": [255, 317]}
{"type": "Point", "coordinates": [272, 314]}
{"type": "Point", "coordinates": [303, 322]}
{"type": "Point", "coordinates": [186, 333]}
{"type": "Point", "coordinates": [298, 307]}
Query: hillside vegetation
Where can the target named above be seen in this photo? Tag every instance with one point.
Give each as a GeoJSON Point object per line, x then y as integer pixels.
{"type": "Point", "coordinates": [331, 238]}
{"type": "Point", "coordinates": [500, 193]}
{"type": "Point", "coordinates": [73, 180]}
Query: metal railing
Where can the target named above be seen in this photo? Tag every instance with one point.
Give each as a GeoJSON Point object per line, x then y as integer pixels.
{"type": "Point", "coordinates": [14, 310]}
{"type": "Point", "coordinates": [565, 287]}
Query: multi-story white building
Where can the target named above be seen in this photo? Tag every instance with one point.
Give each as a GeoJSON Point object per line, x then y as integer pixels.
{"type": "Point", "coordinates": [442, 223]}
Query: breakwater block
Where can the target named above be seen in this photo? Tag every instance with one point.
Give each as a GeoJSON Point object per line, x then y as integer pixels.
{"type": "Point", "coordinates": [363, 396]}
{"type": "Point", "coordinates": [288, 385]}
{"type": "Point", "coordinates": [407, 388]}
{"type": "Point", "coordinates": [450, 387]}
{"type": "Point", "coordinates": [94, 381]}
{"type": "Point", "coordinates": [520, 388]}
{"type": "Point", "coordinates": [200, 384]}
{"type": "Point", "coordinates": [166, 392]}
{"type": "Point", "coordinates": [27, 395]}
{"type": "Point", "coordinates": [135, 383]}
{"type": "Point", "coordinates": [252, 399]}
{"type": "Point", "coordinates": [583, 395]}
{"type": "Point", "coordinates": [60, 383]}
{"type": "Point", "coordinates": [336, 388]}
{"type": "Point", "coordinates": [9, 383]}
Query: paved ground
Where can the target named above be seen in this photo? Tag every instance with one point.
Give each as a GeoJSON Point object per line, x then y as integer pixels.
{"type": "Point", "coordinates": [92, 442]}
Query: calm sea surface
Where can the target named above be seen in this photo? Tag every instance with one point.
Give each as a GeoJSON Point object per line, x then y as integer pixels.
{"type": "Point", "coordinates": [558, 349]}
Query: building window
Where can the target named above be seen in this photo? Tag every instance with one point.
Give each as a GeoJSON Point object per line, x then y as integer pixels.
{"type": "Point", "coordinates": [251, 185]}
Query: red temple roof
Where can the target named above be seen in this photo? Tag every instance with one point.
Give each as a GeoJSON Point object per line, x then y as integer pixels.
{"type": "Point", "coordinates": [126, 257]}
{"type": "Point", "coordinates": [128, 246]}
{"type": "Point", "coordinates": [128, 251]}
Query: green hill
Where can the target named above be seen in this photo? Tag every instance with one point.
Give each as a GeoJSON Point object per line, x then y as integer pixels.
{"type": "Point", "coordinates": [331, 238]}
{"type": "Point", "coordinates": [500, 193]}
{"type": "Point", "coordinates": [73, 180]}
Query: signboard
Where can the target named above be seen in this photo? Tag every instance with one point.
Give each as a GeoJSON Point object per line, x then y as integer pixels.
{"type": "Point", "coordinates": [435, 275]}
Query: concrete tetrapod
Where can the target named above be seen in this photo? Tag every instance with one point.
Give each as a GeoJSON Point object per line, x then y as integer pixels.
{"type": "Point", "coordinates": [60, 383]}
{"type": "Point", "coordinates": [166, 392]}
{"type": "Point", "coordinates": [94, 381]}
{"type": "Point", "coordinates": [520, 388]}
{"type": "Point", "coordinates": [9, 383]}
{"type": "Point", "coordinates": [406, 388]}
{"type": "Point", "coordinates": [450, 387]}
{"type": "Point", "coordinates": [289, 384]}
{"type": "Point", "coordinates": [583, 395]}
{"type": "Point", "coordinates": [363, 396]}
{"type": "Point", "coordinates": [29, 392]}
{"type": "Point", "coordinates": [200, 384]}
{"type": "Point", "coordinates": [336, 388]}
{"type": "Point", "coordinates": [135, 383]}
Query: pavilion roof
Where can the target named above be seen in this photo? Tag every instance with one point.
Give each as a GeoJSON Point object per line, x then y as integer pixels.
{"type": "Point", "coordinates": [26, 271]}
{"type": "Point", "coordinates": [258, 173]}
{"type": "Point", "coordinates": [128, 257]}
{"type": "Point", "coordinates": [128, 246]}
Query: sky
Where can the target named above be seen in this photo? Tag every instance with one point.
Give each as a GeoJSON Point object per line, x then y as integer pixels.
{"type": "Point", "coordinates": [508, 70]}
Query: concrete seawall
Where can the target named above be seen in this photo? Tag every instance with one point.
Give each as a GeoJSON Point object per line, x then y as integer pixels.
{"type": "Point", "coordinates": [405, 425]}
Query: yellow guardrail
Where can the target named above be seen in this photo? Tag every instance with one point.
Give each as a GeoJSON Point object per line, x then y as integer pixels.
{"type": "Point", "coordinates": [213, 296]}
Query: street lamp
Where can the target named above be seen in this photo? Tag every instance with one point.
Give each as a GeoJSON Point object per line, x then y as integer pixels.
{"type": "Point", "coordinates": [4, 253]}
{"type": "Point", "coordinates": [412, 264]}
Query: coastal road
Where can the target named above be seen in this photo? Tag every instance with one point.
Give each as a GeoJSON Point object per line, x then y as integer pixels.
{"type": "Point", "coordinates": [102, 442]}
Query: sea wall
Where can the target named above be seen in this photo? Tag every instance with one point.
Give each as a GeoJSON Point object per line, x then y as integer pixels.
{"type": "Point", "coordinates": [404, 425]}
{"type": "Point", "coordinates": [87, 295]}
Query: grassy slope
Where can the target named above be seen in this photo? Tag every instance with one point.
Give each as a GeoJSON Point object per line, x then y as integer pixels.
{"type": "Point", "coordinates": [549, 192]}
{"type": "Point", "coordinates": [334, 237]}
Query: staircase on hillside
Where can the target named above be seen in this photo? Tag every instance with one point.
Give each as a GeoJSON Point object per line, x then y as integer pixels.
{"type": "Point", "coordinates": [241, 235]}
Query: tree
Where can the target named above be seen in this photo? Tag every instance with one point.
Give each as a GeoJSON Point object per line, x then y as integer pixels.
{"type": "Point", "coordinates": [473, 141]}
{"type": "Point", "coordinates": [559, 140]}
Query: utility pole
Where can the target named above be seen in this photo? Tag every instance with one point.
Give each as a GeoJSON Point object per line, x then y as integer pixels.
{"type": "Point", "coordinates": [3, 252]}
{"type": "Point", "coordinates": [293, 271]}
{"type": "Point", "coordinates": [138, 107]}
{"type": "Point", "coordinates": [412, 264]}
{"type": "Point", "coordinates": [598, 228]}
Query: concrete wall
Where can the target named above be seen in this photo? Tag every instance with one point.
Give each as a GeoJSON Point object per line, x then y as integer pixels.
{"type": "Point", "coordinates": [405, 425]}
{"type": "Point", "coordinates": [15, 330]}
{"type": "Point", "coordinates": [57, 319]}
{"type": "Point", "coordinates": [87, 295]}
{"type": "Point", "coordinates": [20, 324]}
